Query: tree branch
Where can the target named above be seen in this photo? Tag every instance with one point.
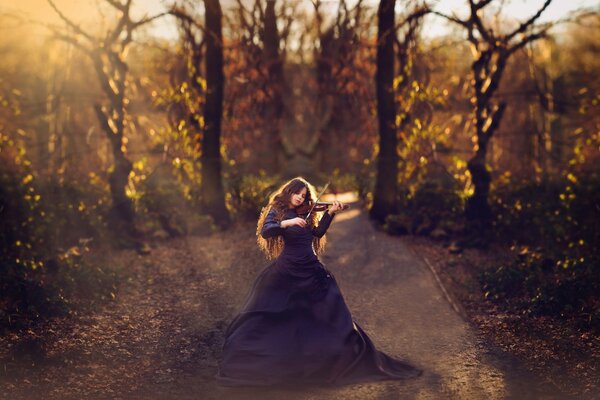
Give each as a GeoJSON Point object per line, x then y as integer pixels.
{"type": "Point", "coordinates": [103, 119]}
{"type": "Point", "coordinates": [70, 23]}
{"type": "Point", "coordinates": [120, 6]}
{"type": "Point", "coordinates": [415, 14]}
{"type": "Point", "coordinates": [480, 5]}
{"type": "Point", "coordinates": [146, 20]}
{"type": "Point", "coordinates": [451, 18]}
{"type": "Point", "coordinates": [184, 16]}
{"type": "Point", "coordinates": [475, 8]}
{"type": "Point", "coordinates": [523, 27]}
{"type": "Point", "coordinates": [496, 117]}
{"type": "Point", "coordinates": [528, 39]}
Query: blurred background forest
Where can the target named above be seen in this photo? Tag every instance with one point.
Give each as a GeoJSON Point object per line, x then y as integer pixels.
{"type": "Point", "coordinates": [123, 122]}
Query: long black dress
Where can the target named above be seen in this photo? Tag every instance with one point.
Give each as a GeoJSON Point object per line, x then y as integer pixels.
{"type": "Point", "coordinates": [295, 327]}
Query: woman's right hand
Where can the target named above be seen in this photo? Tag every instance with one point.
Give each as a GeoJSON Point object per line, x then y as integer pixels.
{"type": "Point", "coordinates": [294, 221]}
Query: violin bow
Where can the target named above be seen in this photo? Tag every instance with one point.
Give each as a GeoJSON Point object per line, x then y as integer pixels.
{"type": "Point", "coordinates": [315, 202]}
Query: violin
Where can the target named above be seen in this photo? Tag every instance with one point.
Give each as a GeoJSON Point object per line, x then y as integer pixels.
{"type": "Point", "coordinates": [306, 209]}
{"type": "Point", "coordinates": [319, 206]}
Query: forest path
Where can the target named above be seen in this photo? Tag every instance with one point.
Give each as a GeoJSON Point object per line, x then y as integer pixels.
{"type": "Point", "coordinates": [162, 336]}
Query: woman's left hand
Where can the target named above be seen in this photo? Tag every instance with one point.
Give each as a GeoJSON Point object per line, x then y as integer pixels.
{"type": "Point", "coordinates": [335, 207]}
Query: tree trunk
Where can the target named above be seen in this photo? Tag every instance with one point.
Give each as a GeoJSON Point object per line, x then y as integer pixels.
{"type": "Point", "coordinates": [118, 180]}
{"type": "Point", "coordinates": [477, 209]}
{"type": "Point", "coordinates": [487, 120]}
{"type": "Point", "coordinates": [122, 214]}
{"type": "Point", "coordinates": [213, 197]}
{"type": "Point", "coordinates": [384, 196]}
{"type": "Point", "coordinates": [272, 58]}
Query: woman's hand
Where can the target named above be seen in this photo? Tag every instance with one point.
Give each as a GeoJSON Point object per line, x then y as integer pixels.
{"type": "Point", "coordinates": [335, 207]}
{"type": "Point", "coordinates": [294, 221]}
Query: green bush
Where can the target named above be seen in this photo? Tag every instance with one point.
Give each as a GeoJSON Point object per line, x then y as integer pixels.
{"type": "Point", "coordinates": [46, 226]}
{"type": "Point", "coordinates": [162, 203]}
{"type": "Point", "coordinates": [343, 182]}
{"type": "Point", "coordinates": [538, 285]}
{"type": "Point", "coordinates": [247, 194]}
{"type": "Point", "coordinates": [425, 208]}
{"type": "Point", "coordinates": [557, 272]}
{"type": "Point", "coordinates": [558, 215]}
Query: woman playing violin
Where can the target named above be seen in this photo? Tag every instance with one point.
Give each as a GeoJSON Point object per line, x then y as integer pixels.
{"type": "Point", "coordinates": [297, 200]}
{"type": "Point", "coordinates": [295, 327]}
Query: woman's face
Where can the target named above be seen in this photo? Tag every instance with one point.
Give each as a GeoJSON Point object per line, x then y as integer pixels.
{"type": "Point", "coordinates": [298, 198]}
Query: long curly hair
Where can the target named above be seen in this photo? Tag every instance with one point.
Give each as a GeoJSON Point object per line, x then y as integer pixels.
{"type": "Point", "coordinates": [279, 201]}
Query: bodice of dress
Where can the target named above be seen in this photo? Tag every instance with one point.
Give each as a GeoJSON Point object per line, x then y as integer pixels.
{"type": "Point", "coordinates": [298, 241]}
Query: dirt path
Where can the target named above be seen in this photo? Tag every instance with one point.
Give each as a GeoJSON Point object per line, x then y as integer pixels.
{"type": "Point", "coordinates": [161, 338]}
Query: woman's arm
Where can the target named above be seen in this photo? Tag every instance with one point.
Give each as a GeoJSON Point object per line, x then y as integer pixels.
{"type": "Point", "coordinates": [323, 224]}
{"type": "Point", "coordinates": [271, 227]}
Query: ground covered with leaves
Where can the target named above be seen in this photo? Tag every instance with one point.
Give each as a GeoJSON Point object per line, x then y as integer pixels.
{"type": "Point", "coordinates": [554, 347]}
{"type": "Point", "coordinates": [160, 333]}
{"type": "Point", "coordinates": [165, 315]}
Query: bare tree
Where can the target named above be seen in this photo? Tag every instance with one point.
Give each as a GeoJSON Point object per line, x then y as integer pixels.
{"type": "Point", "coordinates": [384, 195]}
{"type": "Point", "coordinates": [491, 49]}
{"type": "Point", "coordinates": [338, 66]}
{"type": "Point", "coordinates": [264, 29]}
{"type": "Point", "coordinates": [213, 197]}
{"type": "Point", "coordinates": [108, 58]}
{"type": "Point", "coordinates": [386, 189]}
{"type": "Point", "coordinates": [200, 75]}
{"type": "Point", "coordinates": [273, 59]}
